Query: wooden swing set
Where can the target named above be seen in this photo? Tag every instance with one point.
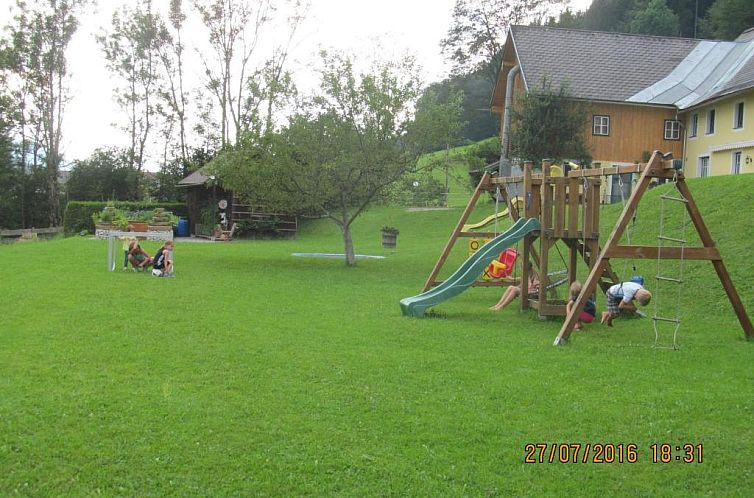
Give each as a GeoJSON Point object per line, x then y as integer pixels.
{"type": "Point", "coordinates": [568, 209]}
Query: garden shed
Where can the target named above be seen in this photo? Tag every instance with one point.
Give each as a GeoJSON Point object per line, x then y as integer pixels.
{"type": "Point", "coordinates": [204, 196]}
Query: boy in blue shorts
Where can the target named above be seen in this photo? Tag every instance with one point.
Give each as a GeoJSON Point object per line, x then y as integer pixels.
{"type": "Point", "coordinates": [620, 297]}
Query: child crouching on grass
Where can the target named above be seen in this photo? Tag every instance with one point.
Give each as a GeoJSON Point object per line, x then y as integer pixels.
{"type": "Point", "coordinates": [619, 298]}
{"type": "Point", "coordinates": [590, 308]}
{"type": "Point", "coordinates": [163, 261]}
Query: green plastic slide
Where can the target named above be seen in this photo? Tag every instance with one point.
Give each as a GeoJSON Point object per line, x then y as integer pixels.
{"type": "Point", "coordinates": [470, 270]}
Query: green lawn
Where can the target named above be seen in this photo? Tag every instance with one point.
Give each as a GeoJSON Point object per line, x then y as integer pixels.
{"type": "Point", "coordinates": [256, 373]}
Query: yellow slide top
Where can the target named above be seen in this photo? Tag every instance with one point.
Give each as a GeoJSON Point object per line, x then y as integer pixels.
{"type": "Point", "coordinates": [519, 201]}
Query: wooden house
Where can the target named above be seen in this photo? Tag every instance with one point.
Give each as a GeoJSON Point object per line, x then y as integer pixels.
{"type": "Point", "coordinates": [603, 71]}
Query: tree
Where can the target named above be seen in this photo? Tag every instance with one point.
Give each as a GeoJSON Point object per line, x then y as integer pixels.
{"type": "Point", "coordinates": [40, 36]}
{"type": "Point", "coordinates": [132, 50]}
{"type": "Point", "coordinates": [726, 19]}
{"type": "Point", "coordinates": [9, 181]}
{"type": "Point", "coordinates": [476, 35]}
{"type": "Point", "coordinates": [249, 90]}
{"type": "Point", "coordinates": [337, 155]}
{"type": "Point", "coordinates": [234, 27]}
{"type": "Point", "coordinates": [547, 124]}
{"type": "Point", "coordinates": [608, 15]}
{"type": "Point", "coordinates": [655, 19]}
{"type": "Point", "coordinates": [171, 55]}
{"type": "Point", "coordinates": [688, 12]}
{"type": "Point", "coordinates": [440, 121]}
{"type": "Point", "coordinates": [477, 121]}
{"type": "Point", "coordinates": [106, 175]}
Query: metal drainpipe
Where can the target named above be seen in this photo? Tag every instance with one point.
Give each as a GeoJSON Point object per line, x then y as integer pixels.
{"type": "Point", "coordinates": [507, 117]}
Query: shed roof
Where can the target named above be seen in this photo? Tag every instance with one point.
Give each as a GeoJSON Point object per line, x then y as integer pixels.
{"type": "Point", "coordinates": [196, 178]}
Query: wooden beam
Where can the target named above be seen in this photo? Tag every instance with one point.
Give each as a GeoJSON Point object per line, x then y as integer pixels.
{"type": "Point", "coordinates": [651, 252]}
{"type": "Point", "coordinates": [620, 170]}
{"type": "Point", "coordinates": [458, 229]}
{"type": "Point", "coordinates": [614, 170]}
{"type": "Point", "coordinates": [505, 180]}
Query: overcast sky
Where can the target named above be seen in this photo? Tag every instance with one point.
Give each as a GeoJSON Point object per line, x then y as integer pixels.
{"type": "Point", "coordinates": [357, 26]}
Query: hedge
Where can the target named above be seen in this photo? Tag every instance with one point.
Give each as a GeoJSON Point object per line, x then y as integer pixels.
{"type": "Point", "coordinates": [78, 214]}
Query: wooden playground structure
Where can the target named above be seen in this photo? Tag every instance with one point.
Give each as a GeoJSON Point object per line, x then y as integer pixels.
{"type": "Point", "coordinates": [568, 209]}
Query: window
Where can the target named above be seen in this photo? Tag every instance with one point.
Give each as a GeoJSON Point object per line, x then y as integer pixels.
{"type": "Point", "coordinates": [704, 166]}
{"type": "Point", "coordinates": [672, 129]}
{"type": "Point", "coordinates": [694, 125]}
{"type": "Point", "coordinates": [710, 122]}
{"type": "Point", "coordinates": [735, 167]}
{"type": "Point", "coordinates": [601, 125]}
{"type": "Point", "coordinates": [738, 116]}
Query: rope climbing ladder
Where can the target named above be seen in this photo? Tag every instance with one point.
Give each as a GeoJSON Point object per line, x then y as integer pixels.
{"type": "Point", "coordinates": [664, 278]}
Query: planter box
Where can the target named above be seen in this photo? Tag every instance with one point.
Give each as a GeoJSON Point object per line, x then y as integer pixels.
{"type": "Point", "coordinates": [389, 240]}
{"type": "Point", "coordinates": [160, 228]}
{"type": "Point", "coordinates": [138, 226]}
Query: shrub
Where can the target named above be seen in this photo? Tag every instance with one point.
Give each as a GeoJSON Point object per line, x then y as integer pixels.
{"type": "Point", "coordinates": [78, 214]}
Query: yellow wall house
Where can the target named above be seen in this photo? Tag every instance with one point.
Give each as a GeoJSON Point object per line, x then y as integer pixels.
{"type": "Point", "coordinates": [720, 137]}
{"type": "Point", "coordinates": [713, 89]}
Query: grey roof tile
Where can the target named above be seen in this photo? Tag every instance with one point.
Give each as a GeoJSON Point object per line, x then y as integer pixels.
{"type": "Point", "coordinates": [596, 65]}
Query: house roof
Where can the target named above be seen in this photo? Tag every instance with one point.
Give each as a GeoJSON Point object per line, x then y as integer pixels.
{"type": "Point", "coordinates": [712, 70]}
{"type": "Point", "coordinates": [596, 65]}
{"type": "Point", "coordinates": [195, 178]}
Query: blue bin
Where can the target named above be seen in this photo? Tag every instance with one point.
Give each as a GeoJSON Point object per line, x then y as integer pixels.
{"type": "Point", "coordinates": [182, 230]}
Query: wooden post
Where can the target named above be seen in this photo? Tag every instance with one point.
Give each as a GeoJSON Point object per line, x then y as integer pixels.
{"type": "Point", "coordinates": [528, 240]}
{"type": "Point", "coordinates": [560, 208]}
{"type": "Point", "coordinates": [572, 261]}
{"type": "Point", "coordinates": [573, 207]}
{"type": "Point", "coordinates": [528, 197]}
{"type": "Point", "coordinates": [483, 186]}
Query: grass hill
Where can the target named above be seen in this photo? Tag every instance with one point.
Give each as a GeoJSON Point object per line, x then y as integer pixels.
{"type": "Point", "coordinates": [257, 373]}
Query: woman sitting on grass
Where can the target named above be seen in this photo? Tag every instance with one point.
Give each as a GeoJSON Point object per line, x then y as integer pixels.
{"type": "Point", "coordinates": [139, 258]}
{"type": "Point", "coordinates": [513, 292]}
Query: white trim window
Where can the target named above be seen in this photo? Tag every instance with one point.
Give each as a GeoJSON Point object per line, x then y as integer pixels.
{"type": "Point", "coordinates": [735, 164]}
{"type": "Point", "coordinates": [710, 122]}
{"type": "Point", "coordinates": [601, 125]}
{"type": "Point", "coordinates": [703, 169]}
{"type": "Point", "coordinates": [738, 116]}
{"type": "Point", "coordinates": [694, 126]}
{"type": "Point", "coordinates": [672, 129]}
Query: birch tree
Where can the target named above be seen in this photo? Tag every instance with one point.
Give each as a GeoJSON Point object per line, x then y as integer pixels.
{"type": "Point", "coordinates": [132, 50]}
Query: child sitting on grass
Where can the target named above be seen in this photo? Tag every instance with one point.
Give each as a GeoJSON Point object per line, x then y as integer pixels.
{"type": "Point", "coordinates": [139, 258]}
{"type": "Point", "coordinates": [619, 298]}
{"type": "Point", "coordinates": [590, 308]}
{"type": "Point", "coordinates": [163, 260]}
